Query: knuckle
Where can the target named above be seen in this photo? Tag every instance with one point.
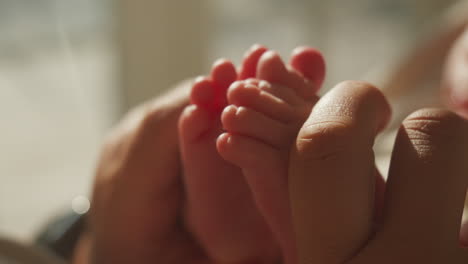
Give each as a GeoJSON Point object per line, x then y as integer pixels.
{"type": "Point", "coordinates": [125, 130]}
{"type": "Point", "coordinates": [324, 140]}
{"type": "Point", "coordinates": [432, 126]}
{"type": "Point", "coordinates": [435, 133]}
{"type": "Point", "coordinates": [149, 117]}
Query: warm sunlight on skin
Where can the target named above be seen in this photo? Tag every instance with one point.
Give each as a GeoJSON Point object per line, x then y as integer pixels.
{"type": "Point", "coordinates": [261, 114]}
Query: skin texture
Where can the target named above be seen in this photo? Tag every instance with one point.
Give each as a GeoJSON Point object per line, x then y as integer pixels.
{"type": "Point", "coordinates": [219, 190]}
{"type": "Point", "coordinates": [260, 123]}
{"type": "Point", "coordinates": [138, 194]}
{"type": "Point", "coordinates": [332, 162]}
{"type": "Point", "coordinates": [139, 202]}
{"type": "Point", "coordinates": [140, 205]}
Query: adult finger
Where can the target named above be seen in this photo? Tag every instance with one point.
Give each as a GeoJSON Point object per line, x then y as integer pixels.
{"type": "Point", "coordinates": [427, 181]}
{"type": "Point", "coordinates": [464, 234]}
{"type": "Point", "coordinates": [332, 173]}
{"type": "Point", "coordinates": [137, 196]}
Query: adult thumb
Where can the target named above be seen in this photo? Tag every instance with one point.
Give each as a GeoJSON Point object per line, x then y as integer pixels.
{"type": "Point", "coordinates": [332, 174]}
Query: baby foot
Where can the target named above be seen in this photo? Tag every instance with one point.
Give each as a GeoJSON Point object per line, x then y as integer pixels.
{"type": "Point", "coordinates": [261, 123]}
{"type": "Point", "coordinates": [220, 208]}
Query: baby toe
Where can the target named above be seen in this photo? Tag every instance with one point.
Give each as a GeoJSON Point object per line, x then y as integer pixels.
{"type": "Point", "coordinates": [248, 122]}
{"type": "Point", "coordinates": [202, 92]}
{"type": "Point", "coordinates": [251, 96]}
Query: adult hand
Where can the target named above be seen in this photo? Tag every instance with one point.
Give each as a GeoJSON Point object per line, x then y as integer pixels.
{"type": "Point", "coordinates": [138, 195]}
{"type": "Point", "coordinates": [332, 176]}
{"type": "Point", "coordinates": [139, 200]}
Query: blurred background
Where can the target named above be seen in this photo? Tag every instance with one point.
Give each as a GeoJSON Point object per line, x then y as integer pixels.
{"type": "Point", "coordinates": [69, 69]}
